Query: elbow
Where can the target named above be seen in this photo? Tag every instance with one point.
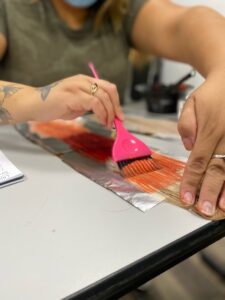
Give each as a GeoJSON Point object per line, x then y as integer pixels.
{"type": "Point", "coordinates": [199, 13]}
{"type": "Point", "coordinates": [196, 19]}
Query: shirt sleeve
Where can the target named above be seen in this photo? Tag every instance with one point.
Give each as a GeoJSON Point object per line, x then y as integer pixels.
{"type": "Point", "coordinates": [133, 10]}
{"type": "Point", "coordinates": [2, 18]}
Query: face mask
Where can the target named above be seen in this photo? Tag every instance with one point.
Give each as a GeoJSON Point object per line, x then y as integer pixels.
{"type": "Point", "coordinates": [81, 3]}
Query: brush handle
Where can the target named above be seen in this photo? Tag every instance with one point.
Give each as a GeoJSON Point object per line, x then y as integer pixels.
{"type": "Point", "coordinates": [93, 70]}
{"type": "Point", "coordinates": [119, 125]}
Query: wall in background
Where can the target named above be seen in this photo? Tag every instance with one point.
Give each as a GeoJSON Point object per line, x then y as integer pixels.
{"type": "Point", "coordinates": [172, 70]}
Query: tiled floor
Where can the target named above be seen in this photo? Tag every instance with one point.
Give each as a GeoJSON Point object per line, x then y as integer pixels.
{"type": "Point", "coordinates": [189, 280]}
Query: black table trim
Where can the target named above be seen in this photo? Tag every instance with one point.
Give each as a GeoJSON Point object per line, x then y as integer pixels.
{"type": "Point", "coordinates": [143, 270]}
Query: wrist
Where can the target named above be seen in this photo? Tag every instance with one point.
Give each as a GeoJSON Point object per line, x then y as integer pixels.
{"type": "Point", "coordinates": [22, 106]}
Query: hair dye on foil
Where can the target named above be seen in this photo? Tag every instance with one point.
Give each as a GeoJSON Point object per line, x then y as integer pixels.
{"type": "Point", "coordinates": [87, 149]}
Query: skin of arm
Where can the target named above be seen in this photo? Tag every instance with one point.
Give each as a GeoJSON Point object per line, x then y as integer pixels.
{"type": "Point", "coordinates": [187, 34]}
{"type": "Point", "coordinates": [21, 103]}
{"type": "Point", "coordinates": [18, 103]}
{"type": "Point", "coordinates": [8, 102]}
{"type": "Point", "coordinates": [193, 35]}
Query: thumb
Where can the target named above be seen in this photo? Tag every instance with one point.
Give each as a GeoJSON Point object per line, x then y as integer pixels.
{"type": "Point", "coordinates": [187, 124]}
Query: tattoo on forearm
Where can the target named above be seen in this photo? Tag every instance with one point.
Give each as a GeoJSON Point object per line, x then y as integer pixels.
{"type": "Point", "coordinates": [45, 90]}
{"type": "Point", "coordinates": [7, 91]}
{"type": "Point", "coordinates": [5, 117]}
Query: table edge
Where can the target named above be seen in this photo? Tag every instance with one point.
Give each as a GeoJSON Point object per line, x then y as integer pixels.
{"type": "Point", "coordinates": [134, 275]}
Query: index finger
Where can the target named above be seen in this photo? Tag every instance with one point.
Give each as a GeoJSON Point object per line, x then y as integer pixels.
{"type": "Point", "coordinates": [196, 168]}
{"type": "Point", "coordinates": [112, 91]}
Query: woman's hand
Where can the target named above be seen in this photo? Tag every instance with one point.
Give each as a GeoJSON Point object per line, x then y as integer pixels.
{"type": "Point", "coordinates": [202, 129]}
{"type": "Point", "coordinates": [72, 97]}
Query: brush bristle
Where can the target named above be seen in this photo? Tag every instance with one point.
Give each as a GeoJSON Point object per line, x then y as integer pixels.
{"type": "Point", "coordinates": [136, 166]}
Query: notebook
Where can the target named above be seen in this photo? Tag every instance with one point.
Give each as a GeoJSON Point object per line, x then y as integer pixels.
{"type": "Point", "coordinates": [9, 174]}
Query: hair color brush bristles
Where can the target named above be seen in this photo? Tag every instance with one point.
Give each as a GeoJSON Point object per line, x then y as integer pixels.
{"type": "Point", "coordinates": [137, 166]}
{"type": "Point", "coordinates": [132, 155]}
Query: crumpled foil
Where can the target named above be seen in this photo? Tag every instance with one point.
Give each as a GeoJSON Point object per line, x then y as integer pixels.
{"type": "Point", "coordinates": [96, 171]}
{"type": "Point", "coordinates": [104, 172]}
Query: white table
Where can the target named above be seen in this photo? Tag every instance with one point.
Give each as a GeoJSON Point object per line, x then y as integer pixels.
{"type": "Point", "coordinates": [62, 234]}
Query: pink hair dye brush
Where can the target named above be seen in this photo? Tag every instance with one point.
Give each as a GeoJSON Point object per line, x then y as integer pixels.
{"type": "Point", "coordinates": [132, 155]}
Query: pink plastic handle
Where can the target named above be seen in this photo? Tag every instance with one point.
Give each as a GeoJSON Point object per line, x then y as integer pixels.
{"type": "Point", "coordinates": [93, 70]}
{"type": "Point", "coordinates": [119, 125]}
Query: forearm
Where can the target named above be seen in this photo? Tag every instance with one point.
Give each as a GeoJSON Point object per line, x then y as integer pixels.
{"type": "Point", "coordinates": [66, 99]}
{"type": "Point", "coordinates": [200, 40]}
{"type": "Point", "coordinates": [14, 103]}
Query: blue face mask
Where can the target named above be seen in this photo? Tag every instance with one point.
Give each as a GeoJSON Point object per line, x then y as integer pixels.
{"type": "Point", "coordinates": [81, 3]}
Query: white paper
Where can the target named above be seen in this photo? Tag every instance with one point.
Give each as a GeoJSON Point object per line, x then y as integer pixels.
{"type": "Point", "coordinates": [9, 173]}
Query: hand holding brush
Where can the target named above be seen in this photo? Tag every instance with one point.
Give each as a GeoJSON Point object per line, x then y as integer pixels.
{"type": "Point", "coordinates": [132, 155]}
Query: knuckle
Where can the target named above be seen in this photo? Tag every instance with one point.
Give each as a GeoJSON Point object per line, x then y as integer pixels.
{"type": "Point", "coordinates": [68, 88]}
{"type": "Point", "coordinates": [79, 76]}
{"type": "Point", "coordinates": [191, 183]}
{"type": "Point", "coordinates": [106, 96]}
{"type": "Point", "coordinates": [216, 169]}
{"type": "Point", "coordinates": [197, 165]}
{"type": "Point", "coordinates": [212, 191]}
{"type": "Point", "coordinates": [210, 188]}
{"type": "Point", "coordinates": [113, 87]}
{"type": "Point", "coordinates": [75, 87]}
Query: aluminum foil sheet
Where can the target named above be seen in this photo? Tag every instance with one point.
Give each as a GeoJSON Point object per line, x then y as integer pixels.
{"type": "Point", "coordinates": [99, 172]}
{"type": "Point", "coordinates": [86, 134]}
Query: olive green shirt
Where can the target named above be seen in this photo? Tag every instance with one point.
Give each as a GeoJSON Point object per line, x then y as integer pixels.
{"type": "Point", "coordinates": [43, 49]}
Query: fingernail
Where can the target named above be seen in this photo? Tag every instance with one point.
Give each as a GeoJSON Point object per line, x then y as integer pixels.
{"type": "Point", "coordinates": [188, 198]}
{"type": "Point", "coordinates": [207, 208]}
{"type": "Point", "coordinates": [222, 203]}
{"type": "Point", "coordinates": [188, 143]}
